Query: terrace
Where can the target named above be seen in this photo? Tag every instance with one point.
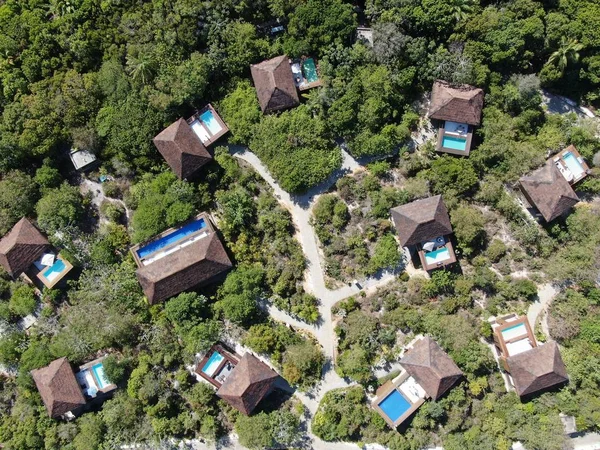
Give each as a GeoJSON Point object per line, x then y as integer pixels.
{"type": "Point", "coordinates": [305, 74]}
{"type": "Point", "coordinates": [436, 253]}
{"type": "Point", "coordinates": [455, 138]}
{"type": "Point", "coordinates": [571, 165]}
{"type": "Point", "coordinates": [512, 335]}
{"type": "Point", "coordinates": [207, 125]}
{"type": "Point", "coordinates": [49, 270]}
{"type": "Point", "coordinates": [217, 364]}
{"type": "Point", "coordinates": [398, 399]}
{"type": "Point", "coordinates": [92, 380]}
{"type": "Point", "coordinates": [172, 241]}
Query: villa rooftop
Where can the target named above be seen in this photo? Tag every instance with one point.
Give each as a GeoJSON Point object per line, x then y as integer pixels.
{"type": "Point", "coordinates": [456, 102]}
{"type": "Point", "coordinates": [249, 382]}
{"type": "Point", "coordinates": [274, 83]}
{"type": "Point", "coordinates": [180, 259]}
{"type": "Point", "coordinates": [240, 381]}
{"type": "Point", "coordinates": [181, 147]}
{"type": "Point", "coordinates": [58, 387]}
{"type": "Point", "coordinates": [431, 367]}
{"type": "Point", "coordinates": [65, 392]}
{"type": "Point", "coordinates": [21, 247]}
{"type": "Point", "coordinates": [548, 191]}
{"type": "Point", "coordinates": [532, 367]}
{"type": "Point", "coordinates": [537, 369]}
{"type": "Point", "coordinates": [426, 225]}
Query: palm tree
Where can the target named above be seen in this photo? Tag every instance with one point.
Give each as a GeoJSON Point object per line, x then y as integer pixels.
{"type": "Point", "coordinates": [59, 8]}
{"type": "Point", "coordinates": [461, 9]}
{"type": "Point", "coordinates": [140, 68]}
{"type": "Point", "coordinates": [567, 52]}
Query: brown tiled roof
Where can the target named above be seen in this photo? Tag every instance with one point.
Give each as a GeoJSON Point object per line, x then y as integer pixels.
{"type": "Point", "coordinates": [456, 102]}
{"type": "Point", "coordinates": [274, 84]}
{"type": "Point", "coordinates": [433, 369]}
{"type": "Point", "coordinates": [21, 247]}
{"type": "Point", "coordinates": [58, 387]}
{"type": "Point", "coordinates": [249, 382]}
{"type": "Point", "coordinates": [537, 369]}
{"type": "Point", "coordinates": [549, 191]}
{"type": "Point", "coordinates": [189, 267]}
{"type": "Point", "coordinates": [421, 220]}
{"type": "Point", "coordinates": [182, 149]}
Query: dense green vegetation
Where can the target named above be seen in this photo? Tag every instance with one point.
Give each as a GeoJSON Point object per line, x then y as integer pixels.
{"type": "Point", "coordinates": [107, 76]}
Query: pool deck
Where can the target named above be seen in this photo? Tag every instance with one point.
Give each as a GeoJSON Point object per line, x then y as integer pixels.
{"type": "Point", "coordinates": [37, 277]}
{"type": "Point", "coordinates": [213, 137]}
{"type": "Point", "coordinates": [439, 264]}
{"type": "Point", "coordinates": [88, 366]}
{"type": "Point", "coordinates": [386, 389]}
{"type": "Point", "coordinates": [440, 138]}
{"type": "Point", "coordinates": [564, 169]}
{"type": "Point", "coordinates": [208, 229]}
{"type": "Point", "coordinates": [228, 356]}
{"type": "Point", "coordinates": [304, 85]}
{"type": "Point", "coordinates": [503, 323]}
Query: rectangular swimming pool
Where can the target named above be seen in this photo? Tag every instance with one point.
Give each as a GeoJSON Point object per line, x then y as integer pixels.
{"type": "Point", "coordinates": [394, 405]}
{"type": "Point", "coordinates": [171, 238]}
{"type": "Point", "coordinates": [210, 121]}
{"type": "Point", "coordinates": [310, 70]}
{"type": "Point", "coordinates": [454, 143]}
{"type": "Point", "coordinates": [514, 331]}
{"type": "Point", "coordinates": [212, 364]}
{"type": "Point", "coordinates": [100, 376]}
{"type": "Point", "coordinates": [574, 166]}
{"type": "Point", "coordinates": [52, 272]}
{"type": "Point", "coordinates": [439, 255]}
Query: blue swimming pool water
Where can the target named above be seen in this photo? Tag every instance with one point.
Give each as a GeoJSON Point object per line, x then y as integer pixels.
{"type": "Point", "coordinates": [212, 364]}
{"type": "Point", "coordinates": [54, 270]}
{"type": "Point", "coordinates": [574, 166]}
{"type": "Point", "coordinates": [512, 330]}
{"type": "Point", "coordinates": [394, 405]}
{"type": "Point", "coordinates": [454, 143]}
{"type": "Point", "coordinates": [310, 70]}
{"type": "Point", "coordinates": [100, 376]}
{"type": "Point", "coordinates": [171, 238]}
{"type": "Point", "coordinates": [441, 254]}
{"type": "Point", "coordinates": [209, 120]}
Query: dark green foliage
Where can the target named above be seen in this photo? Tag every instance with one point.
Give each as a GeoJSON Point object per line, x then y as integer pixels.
{"type": "Point", "coordinates": [452, 177]}
{"type": "Point", "coordinates": [60, 208]}
{"type": "Point", "coordinates": [241, 112]}
{"type": "Point", "coordinates": [160, 202]}
{"type": "Point", "coordinates": [114, 369]}
{"type": "Point", "coordinates": [468, 224]}
{"type": "Point", "coordinates": [23, 300]}
{"type": "Point", "coordinates": [296, 136]}
{"type": "Point", "coordinates": [302, 364]}
{"type": "Point", "coordinates": [239, 293]}
{"type": "Point", "coordinates": [317, 24]}
{"type": "Point", "coordinates": [18, 194]}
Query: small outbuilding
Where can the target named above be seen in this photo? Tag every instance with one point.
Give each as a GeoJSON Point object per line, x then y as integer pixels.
{"type": "Point", "coordinates": [83, 160]}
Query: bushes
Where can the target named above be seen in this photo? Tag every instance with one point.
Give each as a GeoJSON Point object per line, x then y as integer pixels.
{"type": "Point", "coordinates": [468, 224]}
{"type": "Point", "coordinates": [162, 201]}
{"type": "Point", "coordinates": [385, 255]}
{"type": "Point", "coordinates": [302, 364]}
{"type": "Point", "coordinates": [60, 208]}
{"type": "Point", "coordinates": [23, 300]}
{"type": "Point", "coordinates": [330, 214]}
{"type": "Point", "coordinates": [296, 136]}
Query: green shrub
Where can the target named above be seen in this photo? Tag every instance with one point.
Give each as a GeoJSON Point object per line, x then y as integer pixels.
{"type": "Point", "coordinates": [23, 300]}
